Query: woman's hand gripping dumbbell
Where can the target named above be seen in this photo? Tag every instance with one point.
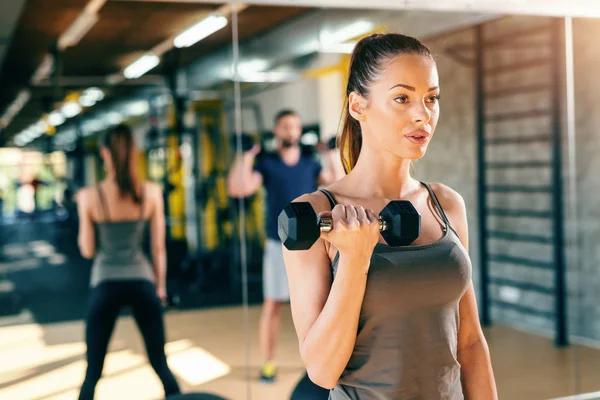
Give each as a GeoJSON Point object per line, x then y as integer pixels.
{"type": "Point", "coordinates": [299, 225]}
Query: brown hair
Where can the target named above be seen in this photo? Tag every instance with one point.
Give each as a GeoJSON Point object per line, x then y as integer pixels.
{"type": "Point", "coordinates": [283, 113]}
{"type": "Point", "coordinates": [366, 64]}
{"type": "Point", "coordinates": [119, 142]}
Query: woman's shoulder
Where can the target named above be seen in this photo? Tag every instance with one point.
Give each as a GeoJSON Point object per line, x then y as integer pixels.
{"type": "Point", "coordinates": [86, 193]}
{"type": "Point", "coordinates": [453, 205]}
{"type": "Point", "coordinates": [151, 189]}
{"type": "Point", "coordinates": [150, 185]}
{"type": "Point", "coordinates": [317, 199]}
{"type": "Point", "coordinates": [320, 200]}
{"type": "Point", "coordinates": [448, 197]}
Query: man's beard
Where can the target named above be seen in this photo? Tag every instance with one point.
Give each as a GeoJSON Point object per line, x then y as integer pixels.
{"type": "Point", "coordinates": [286, 144]}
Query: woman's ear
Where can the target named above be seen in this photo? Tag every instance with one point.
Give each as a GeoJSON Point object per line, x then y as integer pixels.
{"type": "Point", "coordinates": [356, 106]}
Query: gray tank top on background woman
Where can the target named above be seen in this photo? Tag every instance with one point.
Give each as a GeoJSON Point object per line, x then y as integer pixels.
{"type": "Point", "coordinates": [119, 249]}
{"type": "Point", "coordinates": [406, 345]}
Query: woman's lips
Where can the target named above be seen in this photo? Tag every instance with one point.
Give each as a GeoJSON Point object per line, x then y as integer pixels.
{"type": "Point", "coordinates": [418, 136]}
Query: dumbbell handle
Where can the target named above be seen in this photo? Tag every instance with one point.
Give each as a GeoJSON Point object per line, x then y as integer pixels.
{"type": "Point", "coordinates": [326, 224]}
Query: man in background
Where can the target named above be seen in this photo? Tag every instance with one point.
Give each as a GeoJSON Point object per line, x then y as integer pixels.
{"type": "Point", "coordinates": [285, 174]}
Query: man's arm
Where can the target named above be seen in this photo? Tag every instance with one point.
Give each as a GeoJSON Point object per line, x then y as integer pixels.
{"type": "Point", "coordinates": [332, 169]}
{"type": "Point", "coordinates": [243, 180]}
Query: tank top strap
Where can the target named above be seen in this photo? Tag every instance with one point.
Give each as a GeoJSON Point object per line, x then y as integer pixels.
{"type": "Point", "coordinates": [332, 202]}
{"type": "Point", "coordinates": [330, 197]}
{"type": "Point", "coordinates": [103, 203]}
{"type": "Point", "coordinates": [142, 193]}
{"type": "Point", "coordinates": [438, 206]}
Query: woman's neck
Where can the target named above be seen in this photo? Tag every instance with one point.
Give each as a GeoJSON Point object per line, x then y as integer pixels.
{"type": "Point", "coordinates": [111, 177]}
{"type": "Point", "coordinates": [381, 174]}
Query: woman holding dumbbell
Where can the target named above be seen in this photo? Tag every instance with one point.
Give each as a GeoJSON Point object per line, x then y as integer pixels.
{"type": "Point", "coordinates": [377, 321]}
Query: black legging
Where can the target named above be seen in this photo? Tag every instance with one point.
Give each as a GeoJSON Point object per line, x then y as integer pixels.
{"type": "Point", "coordinates": [106, 300]}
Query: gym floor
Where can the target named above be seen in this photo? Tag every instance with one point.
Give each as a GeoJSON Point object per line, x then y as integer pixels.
{"type": "Point", "coordinates": [207, 353]}
{"type": "Point", "coordinates": [44, 342]}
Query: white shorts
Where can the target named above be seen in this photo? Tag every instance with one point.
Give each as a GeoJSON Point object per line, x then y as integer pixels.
{"type": "Point", "coordinates": [275, 283]}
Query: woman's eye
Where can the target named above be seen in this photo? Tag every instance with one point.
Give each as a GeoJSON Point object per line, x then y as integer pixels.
{"type": "Point", "coordinates": [434, 99]}
{"type": "Point", "coordinates": [401, 99]}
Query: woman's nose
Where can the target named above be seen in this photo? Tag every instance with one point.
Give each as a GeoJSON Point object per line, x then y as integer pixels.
{"type": "Point", "coordinates": [421, 114]}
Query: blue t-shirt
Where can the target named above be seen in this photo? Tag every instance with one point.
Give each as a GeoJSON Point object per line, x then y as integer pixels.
{"type": "Point", "coordinates": [283, 183]}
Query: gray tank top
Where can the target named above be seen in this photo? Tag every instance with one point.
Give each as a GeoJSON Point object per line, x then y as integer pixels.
{"type": "Point", "coordinates": [406, 344]}
{"type": "Point", "coordinates": [119, 254]}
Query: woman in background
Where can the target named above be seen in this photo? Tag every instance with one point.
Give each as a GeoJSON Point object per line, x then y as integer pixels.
{"type": "Point", "coordinates": [113, 215]}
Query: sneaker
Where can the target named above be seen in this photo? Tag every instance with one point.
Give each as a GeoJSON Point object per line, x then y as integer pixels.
{"type": "Point", "coordinates": [268, 372]}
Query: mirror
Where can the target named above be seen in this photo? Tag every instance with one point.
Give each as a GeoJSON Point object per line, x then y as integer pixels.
{"type": "Point", "coordinates": [136, 63]}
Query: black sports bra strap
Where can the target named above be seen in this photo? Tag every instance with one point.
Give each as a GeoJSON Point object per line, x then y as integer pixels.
{"type": "Point", "coordinates": [330, 197]}
{"type": "Point", "coordinates": [103, 203]}
{"type": "Point", "coordinates": [437, 204]}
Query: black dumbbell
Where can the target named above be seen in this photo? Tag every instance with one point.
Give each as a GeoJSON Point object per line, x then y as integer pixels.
{"type": "Point", "coordinates": [332, 143]}
{"type": "Point", "coordinates": [299, 227]}
{"type": "Point", "coordinates": [247, 142]}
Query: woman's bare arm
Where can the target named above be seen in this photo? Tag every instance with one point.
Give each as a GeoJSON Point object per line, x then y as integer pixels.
{"type": "Point", "coordinates": [473, 353]}
{"type": "Point", "coordinates": [87, 237]}
{"type": "Point", "coordinates": [325, 315]}
{"type": "Point", "coordinates": [158, 234]}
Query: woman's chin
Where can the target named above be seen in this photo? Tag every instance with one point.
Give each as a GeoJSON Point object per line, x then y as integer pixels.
{"type": "Point", "coordinates": [406, 152]}
{"type": "Point", "coordinates": [415, 153]}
